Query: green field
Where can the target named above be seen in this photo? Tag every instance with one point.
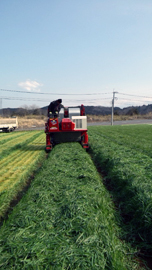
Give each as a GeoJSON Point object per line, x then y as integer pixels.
{"type": "Point", "coordinates": [70, 217]}
{"type": "Point", "coordinates": [124, 154]}
{"type": "Point", "coordinates": [21, 153]}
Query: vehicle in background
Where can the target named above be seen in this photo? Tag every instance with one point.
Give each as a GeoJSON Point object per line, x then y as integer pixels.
{"type": "Point", "coordinates": [8, 124]}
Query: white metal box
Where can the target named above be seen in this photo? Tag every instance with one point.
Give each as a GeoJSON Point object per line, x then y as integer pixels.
{"type": "Point", "coordinates": [80, 122]}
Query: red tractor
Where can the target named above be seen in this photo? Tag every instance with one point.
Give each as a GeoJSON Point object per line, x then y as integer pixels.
{"type": "Point", "coordinates": [70, 125]}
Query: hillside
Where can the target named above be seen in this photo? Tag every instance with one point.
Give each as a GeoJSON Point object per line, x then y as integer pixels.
{"type": "Point", "coordinates": [90, 110]}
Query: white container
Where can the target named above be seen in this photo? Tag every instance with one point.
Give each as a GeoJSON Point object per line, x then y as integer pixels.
{"type": "Point", "coordinates": [80, 122]}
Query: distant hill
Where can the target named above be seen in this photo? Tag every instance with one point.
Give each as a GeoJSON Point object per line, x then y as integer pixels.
{"type": "Point", "coordinates": [90, 110]}
{"type": "Point", "coordinates": [100, 110]}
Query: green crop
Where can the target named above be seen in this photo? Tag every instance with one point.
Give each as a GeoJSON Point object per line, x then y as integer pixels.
{"type": "Point", "coordinates": [124, 154]}
{"type": "Point", "coordinates": [66, 220]}
{"type": "Point", "coordinates": [20, 156]}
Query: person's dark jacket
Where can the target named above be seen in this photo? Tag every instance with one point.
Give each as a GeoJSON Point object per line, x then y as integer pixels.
{"type": "Point", "coordinates": [55, 106]}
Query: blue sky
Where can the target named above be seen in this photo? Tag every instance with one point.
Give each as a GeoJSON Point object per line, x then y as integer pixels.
{"type": "Point", "coordinates": [79, 50]}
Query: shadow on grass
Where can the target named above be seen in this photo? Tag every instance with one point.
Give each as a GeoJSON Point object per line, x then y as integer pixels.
{"type": "Point", "coordinates": [23, 147]}
{"type": "Point", "coordinates": [33, 147]}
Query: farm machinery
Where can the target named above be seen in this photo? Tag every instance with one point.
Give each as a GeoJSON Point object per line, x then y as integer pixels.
{"type": "Point", "coordinates": [69, 125]}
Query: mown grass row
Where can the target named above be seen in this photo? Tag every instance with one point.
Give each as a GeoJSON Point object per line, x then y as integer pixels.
{"type": "Point", "coordinates": [129, 177]}
{"type": "Point", "coordinates": [18, 142]}
{"type": "Point", "coordinates": [9, 140]}
{"type": "Point", "coordinates": [17, 164]}
{"type": "Point", "coordinates": [6, 137]}
{"type": "Point", "coordinates": [65, 220]}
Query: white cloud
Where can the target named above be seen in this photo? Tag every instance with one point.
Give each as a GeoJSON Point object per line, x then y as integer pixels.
{"type": "Point", "coordinates": [31, 86]}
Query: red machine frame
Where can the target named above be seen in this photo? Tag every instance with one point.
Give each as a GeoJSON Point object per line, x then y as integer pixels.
{"type": "Point", "coordinates": [65, 130]}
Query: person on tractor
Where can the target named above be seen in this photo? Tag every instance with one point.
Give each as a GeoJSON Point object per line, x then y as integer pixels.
{"type": "Point", "coordinates": [54, 107]}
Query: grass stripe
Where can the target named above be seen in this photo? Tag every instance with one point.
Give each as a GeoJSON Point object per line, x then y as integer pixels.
{"type": "Point", "coordinates": [65, 221]}
{"type": "Point", "coordinates": [18, 166]}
